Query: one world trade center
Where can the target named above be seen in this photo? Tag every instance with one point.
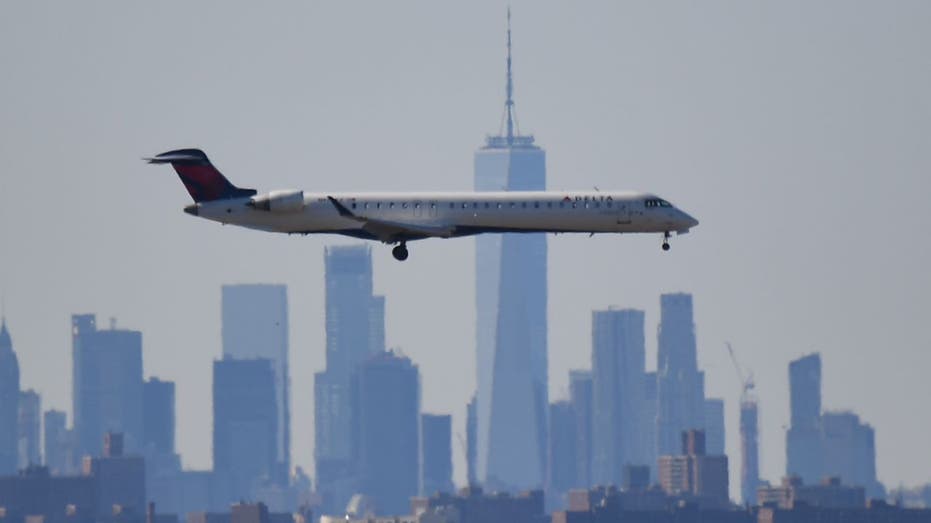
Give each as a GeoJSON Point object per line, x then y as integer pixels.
{"type": "Point", "coordinates": [512, 398]}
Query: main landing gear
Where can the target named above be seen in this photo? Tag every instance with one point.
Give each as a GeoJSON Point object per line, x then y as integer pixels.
{"type": "Point", "coordinates": [400, 252]}
{"type": "Point", "coordinates": [666, 241]}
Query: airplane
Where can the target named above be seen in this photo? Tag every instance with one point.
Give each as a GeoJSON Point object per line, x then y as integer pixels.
{"type": "Point", "coordinates": [397, 218]}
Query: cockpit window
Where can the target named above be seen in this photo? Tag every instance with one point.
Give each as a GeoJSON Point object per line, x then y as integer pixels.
{"type": "Point", "coordinates": [656, 202]}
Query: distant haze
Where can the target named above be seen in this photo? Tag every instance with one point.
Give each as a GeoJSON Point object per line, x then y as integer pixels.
{"type": "Point", "coordinates": [798, 133]}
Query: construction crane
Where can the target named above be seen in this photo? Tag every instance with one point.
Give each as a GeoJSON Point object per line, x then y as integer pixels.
{"type": "Point", "coordinates": [746, 381]}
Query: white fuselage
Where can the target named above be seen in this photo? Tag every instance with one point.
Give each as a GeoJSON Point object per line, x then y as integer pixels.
{"type": "Point", "coordinates": [421, 215]}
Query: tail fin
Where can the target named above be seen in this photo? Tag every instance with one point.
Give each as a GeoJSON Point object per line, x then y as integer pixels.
{"type": "Point", "coordinates": [202, 180]}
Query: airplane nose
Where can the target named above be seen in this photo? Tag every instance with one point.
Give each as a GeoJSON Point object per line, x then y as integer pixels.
{"type": "Point", "coordinates": [692, 222]}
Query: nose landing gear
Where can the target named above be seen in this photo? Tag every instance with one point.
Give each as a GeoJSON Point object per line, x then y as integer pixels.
{"type": "Point", "coordinates": [666, 241]}
{"type": "Point", "coordinates": [400, 252]}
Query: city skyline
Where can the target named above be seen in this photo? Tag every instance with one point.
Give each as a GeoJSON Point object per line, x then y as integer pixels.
{"type": "Point", "coordinates": [778, 289]}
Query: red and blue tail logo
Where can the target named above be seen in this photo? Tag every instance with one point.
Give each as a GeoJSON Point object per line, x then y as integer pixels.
{"type": "Point", "coordinates": [203, 181]}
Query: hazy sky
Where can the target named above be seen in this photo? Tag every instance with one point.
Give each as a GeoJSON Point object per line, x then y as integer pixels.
{"type": "Point", "coordinates": [798, 132]}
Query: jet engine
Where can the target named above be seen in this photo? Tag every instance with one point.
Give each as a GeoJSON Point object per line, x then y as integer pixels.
{"type": "Point", "coordinates": [279, 201]}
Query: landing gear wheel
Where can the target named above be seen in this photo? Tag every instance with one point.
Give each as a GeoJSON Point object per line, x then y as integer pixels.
{"type": "Point", "coordinates": [400, 252]}
{"type": "Point", "coordinates": [665, 246]}
{"type": "Point", "coordinates": [666, 241]}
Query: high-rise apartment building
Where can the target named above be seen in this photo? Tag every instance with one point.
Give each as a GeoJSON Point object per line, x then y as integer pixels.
{"type": "Point", "coordinates": [804, 452]}
{"type": "Point", "coordinates": [107, 382]}
{"type": "Point", "coordinates": [850, 452]}
{"type": "Point", "coordinates": [30, 428]}
{"type": "Point", "coordinates": [9, 403]}
{"type": "Point", "coordinates": [649, 417]}
{"type": "Point", "coordinates": [563, 459]}
{"type": "Point", "coordinates": [354, 332]}
{"type": "Point", "coordinates": [618, 368]}
{"type": "Point", "coordinates": [749, 452]}
{"type": "Point", "coordinates": [158, 415]}
{"type": "Point", "coordinates": [255, 325]}
{"type": "Point", "coordinates": [436, 456]}
{"type": "Point", "coordinates": [471, 444]}
{"type": "Point", "coordinates": [386, 431]}
{"type": "Point", "coordinates": [58, 443]}
{"type": "Point", "coordinates": [694, 472]}
{"type": "Point", "coordinates": [580, 396]}
{"type": "Point", "coordinates": [680, 386]}
{"type": "Point", "coordinates": [511, 336]}
{"type": "Point", "coordinates": [245, 425]}
{"type": "Point", "coordinates": [714, 426]}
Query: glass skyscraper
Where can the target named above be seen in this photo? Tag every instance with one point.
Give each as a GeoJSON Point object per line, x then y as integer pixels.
{"type": "Point", "coordinates": [255, 325]}
{"type": "Point", "coordinates": [618, 369]}
{"type": "Point", "coordinates": [107, 381]}
{"type": "Point", "coordinates": [512, 397]}
{"type": "Point", "coordinates": [680, 385]}
{"type": "Point", "coordinates": [355, 326]}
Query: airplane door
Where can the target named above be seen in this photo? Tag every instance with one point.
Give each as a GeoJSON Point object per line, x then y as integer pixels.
{"type": "Point", "coordinates": [623, 213]}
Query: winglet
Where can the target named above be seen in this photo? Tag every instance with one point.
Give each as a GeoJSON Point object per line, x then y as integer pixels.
{"type": "Point", "coordinates": [341, 209]}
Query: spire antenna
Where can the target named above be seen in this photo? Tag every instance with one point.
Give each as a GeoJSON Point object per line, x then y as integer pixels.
{"type": "Point", "coordinates": [509, 104]}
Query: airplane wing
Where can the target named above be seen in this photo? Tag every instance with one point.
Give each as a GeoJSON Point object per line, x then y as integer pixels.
{"type": "Point", "coordinates": [391, 231]}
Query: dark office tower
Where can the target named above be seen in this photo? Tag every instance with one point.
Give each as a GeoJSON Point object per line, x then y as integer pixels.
{"type": "Point", "coordinates": [850, 452]}
{"type": "Point", "coordinates": [107, 381]}
{"type": "Point", "coordinates": [9, 403]}
{"type": "Point", "coordinates": [385, 432]}
{"type": "Point", "coordinates": [255, 325]}
{"type": "Point", "coordinates": [714, 426]}
{"type": "Point", "coordinates": [562, 473]}
{"type": "Point", "coordinates": [158, 409]}
{"type": "Point", "coordinates": [618, 361]}
{"type": "Point", "coordinates": [436, 459]}
{"type": "Point", "coordinates": [471, 445]}
{"type": "Point", "coordinates": [511, 295]}
{"type": "Point", "coordinates": [680, 386]}
{"type": "Point", "coordinates": [354, 332]}
{"type": "Point", "coordinates": [30, 427]}
{"type": "Point", "coordinates": [803, 441]}
{"type": "Point", "coordinates": [245, 424]}
{"type": "Point", "coordinates": [749, 452]}
{"type": "Point", "coordinates": [580, 396]}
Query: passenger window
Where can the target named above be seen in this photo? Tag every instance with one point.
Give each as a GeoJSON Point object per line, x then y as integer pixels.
{"type": "Point", "coordinates": [523, 204]}
{"type": "Point", "coordinates": [513, 205]}
{"type": "Point", "coordinates": [465, 205]}
{"type": "Point", "coordinates": [404, 205]}
{"type": "Point", "coordinates": [487, 205]}
{"type": "Point", "coordinates": [433, 205]}
{"type": "Point", "coordinates": [549, 205]}
{"type": "Point", "coordinates": [391, 205]}
{"type": "Point", "coordinates": [536, 205]}
{"type": "Point", "coordinates": [475, 205]}
{"type": "Point", "coordinates": [588, 205]}
{"type": "Point", "coordinates": [609, 204]}
{"type": "Point", "coordinates": [417, 205]}
{"type": "Point", "coordinates": [562, 205]}
{"type": "Point", "coordinates": [353, 205]}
